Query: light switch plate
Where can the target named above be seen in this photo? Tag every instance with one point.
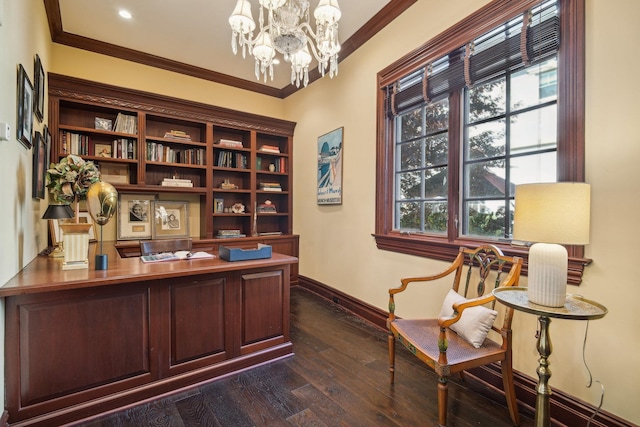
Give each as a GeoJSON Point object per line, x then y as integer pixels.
{"type": "Point", "coordinates": [5, 131]}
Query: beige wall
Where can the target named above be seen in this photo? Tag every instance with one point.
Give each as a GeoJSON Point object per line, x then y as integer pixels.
{"type": "Point", "coordinates": [336, 247]}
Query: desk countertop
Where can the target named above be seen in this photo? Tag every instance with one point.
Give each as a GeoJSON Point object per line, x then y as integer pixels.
{"type": "Point", "coordinates": [45, 274]}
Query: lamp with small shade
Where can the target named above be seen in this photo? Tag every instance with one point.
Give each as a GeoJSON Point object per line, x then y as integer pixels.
{"type": "Point", "coordinates": [550, 215]}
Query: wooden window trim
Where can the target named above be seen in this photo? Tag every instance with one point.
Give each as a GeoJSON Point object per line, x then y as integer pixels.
{"type": "Point", "coordinates": [571, 123]}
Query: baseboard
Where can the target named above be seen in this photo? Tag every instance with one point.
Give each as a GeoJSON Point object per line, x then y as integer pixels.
{"type": "Point", "coordinates": [566, 410]}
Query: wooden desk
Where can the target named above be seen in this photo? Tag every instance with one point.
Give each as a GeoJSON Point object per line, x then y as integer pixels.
{"type": "Point", "coordinates": [82, 342]}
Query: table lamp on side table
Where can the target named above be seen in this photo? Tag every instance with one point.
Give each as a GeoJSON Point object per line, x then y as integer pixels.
{"type": "Point", "coordinates": [102, 199]}
{"type": "Point", "coordinates": [58, 212]}
{"type": "Point", "coordinates": [549, 214]}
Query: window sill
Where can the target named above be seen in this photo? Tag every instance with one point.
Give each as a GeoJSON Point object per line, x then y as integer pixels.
{"type": "Point", "coordinates": [433, 248]}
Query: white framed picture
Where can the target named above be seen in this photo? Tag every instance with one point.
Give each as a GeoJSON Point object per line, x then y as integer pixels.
{"type": "Point", "coordinates": [330, 168]}
{"type": "Point", "coordinates": [135, 214]}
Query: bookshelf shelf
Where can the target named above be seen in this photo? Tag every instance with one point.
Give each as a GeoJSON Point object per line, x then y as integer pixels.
{"type": "Point", "coordinates": [165, 138]}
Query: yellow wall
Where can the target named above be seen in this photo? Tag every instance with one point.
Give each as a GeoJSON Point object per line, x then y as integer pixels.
{"type": "Point", "coordinates": [336, 247]}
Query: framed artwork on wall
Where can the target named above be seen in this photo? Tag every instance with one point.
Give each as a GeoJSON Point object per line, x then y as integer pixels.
{"type": "Point", "coordinates": [24, 126]}
{"type": "Point", "coordinates": [330, 147]}
{"type": "Point", "coordinates": [38, 77]}
{"type": "Point", "coordinates": [171, 219]}
{"type": "Point", "coordinates": [135, 212]}
{"type": "Point", "coordinates": [39, 165]}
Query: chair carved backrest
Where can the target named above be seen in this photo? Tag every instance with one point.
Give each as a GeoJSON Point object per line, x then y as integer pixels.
{"type": "Point", "coordinates": [455, 340]}
{"type": "Point", "coordinates": [150, 247]}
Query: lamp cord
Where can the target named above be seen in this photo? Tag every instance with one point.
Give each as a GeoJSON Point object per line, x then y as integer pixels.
{"type": "Point", "coordinates": [591, 380]}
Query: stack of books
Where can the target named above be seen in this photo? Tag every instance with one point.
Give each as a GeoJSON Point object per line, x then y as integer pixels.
{"type": "Point", "coordinates": [229, 143]}
{"type": "Point", "coordinates": [177, 134]}
{"type": "Point", "coordinates": [269, 148]}
{"type": "Point", "coordinates": [176, 182]}
{"type": "Point", "coordinates": [270, 186]}
{"type": "Point", "coordinates": [229, 234]}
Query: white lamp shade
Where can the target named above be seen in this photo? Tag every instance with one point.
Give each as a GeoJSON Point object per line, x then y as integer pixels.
{"type": "Point", "coordinates": [549, 214]}
{"type": "Point", "coordinates": [552, 213]}
{"type": "Point", "coordinates": [328, 12]}
{"type": "Point", "coordinates": [263, 50]}
{"type": "Point", "coordinates": [241, 19]}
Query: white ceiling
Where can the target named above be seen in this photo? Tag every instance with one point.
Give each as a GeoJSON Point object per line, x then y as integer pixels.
{"type": "Point", "coordinates": [193, 32]}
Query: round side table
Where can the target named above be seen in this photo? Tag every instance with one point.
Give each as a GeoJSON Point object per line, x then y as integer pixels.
{"type": "Point", "coordinates": [575, 308]}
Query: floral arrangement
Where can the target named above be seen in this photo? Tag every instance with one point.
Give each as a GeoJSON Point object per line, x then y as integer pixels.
{"type": "Point", "coordinates": [69, 180]}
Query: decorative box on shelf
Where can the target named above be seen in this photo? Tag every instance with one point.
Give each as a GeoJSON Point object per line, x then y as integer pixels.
{"type": "Point", "coordinates": [238, 254]}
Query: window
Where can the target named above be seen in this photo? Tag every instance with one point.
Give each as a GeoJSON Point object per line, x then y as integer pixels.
{"type": "Point", "coordinates": [479, 113]}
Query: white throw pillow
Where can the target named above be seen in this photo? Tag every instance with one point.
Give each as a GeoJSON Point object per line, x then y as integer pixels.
{"type": "Point", "coordinates": [475, 323]}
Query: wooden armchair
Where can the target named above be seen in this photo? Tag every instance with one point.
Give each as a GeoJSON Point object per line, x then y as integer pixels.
{"type": "Point", "coordinates": [434, 341]}
{"type": "Point", "coordinates": [150, 247]}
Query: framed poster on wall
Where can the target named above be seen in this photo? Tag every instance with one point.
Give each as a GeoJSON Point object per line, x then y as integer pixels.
{"type": "Point", "coordinates": [330, 147]}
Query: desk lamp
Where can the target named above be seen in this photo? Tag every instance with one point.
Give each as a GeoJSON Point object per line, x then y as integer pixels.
{"type": "Point", "coordinates": [102, 198]}
{"type": "Point", "coordinates": [551, 214]}
{"type": "Point", "coordinates": [58, 212]}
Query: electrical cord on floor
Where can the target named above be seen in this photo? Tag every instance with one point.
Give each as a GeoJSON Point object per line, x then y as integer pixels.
{"type": "Point", "coordinates": [591, 380]}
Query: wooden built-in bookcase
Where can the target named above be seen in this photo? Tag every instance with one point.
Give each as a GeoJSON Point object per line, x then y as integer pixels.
{"type": "Point", "coordinates": [256, 166]}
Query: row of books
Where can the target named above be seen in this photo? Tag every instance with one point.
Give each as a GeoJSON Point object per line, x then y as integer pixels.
{"type": "Point", "coordinates": [81, 145]}
{"type": "Point", "coordinates": [228, 159]}
{"type": "Point", "coordinates": [126, 124]}
{"type": "Point", "coordinates": [75, 143]}
{"type": "Point", "coordinates": [176, 182]}
{"type": "Point", "coordinates": [229, 143]}
{"type": "Point", "coordinates": [157, 152]}
{"type": "Point", "coordinates": [123, 148]}
{"type": "Point", "coordinates": [177, 134]}
{"type": "Point", "coordinates": [269, 186]}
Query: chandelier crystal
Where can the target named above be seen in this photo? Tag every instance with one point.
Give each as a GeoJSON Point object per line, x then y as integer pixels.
{"type": "Point", "coordinates": [286, 30]}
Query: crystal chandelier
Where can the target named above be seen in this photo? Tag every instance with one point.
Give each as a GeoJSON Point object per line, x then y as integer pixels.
{"type": "Point", "coordinates": [287, 30]}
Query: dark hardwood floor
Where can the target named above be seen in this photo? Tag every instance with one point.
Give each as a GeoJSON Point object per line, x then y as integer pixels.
{"type": "Point", "coordinates": [337, 377]}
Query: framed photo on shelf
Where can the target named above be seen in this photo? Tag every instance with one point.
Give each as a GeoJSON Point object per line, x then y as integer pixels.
{"type": "Point", "coordinates": [135, 213]}
{"type": "Point", "coordinates": [218, 205]}
{"type": "Point", "coordinates": [171, 219]}
{"type": "Point", "coordinates": [102, 150]}
{"type": "Point", "coordinates": [24, 126]}
{"type": "Point", "coordinates": [39, 166]}
{"type": "Point", "coordinates": [57, 235]}
{"type": "Point", "coordinates": [103, 124]}
{"type": "Point", "coordinates": [330, 168]}
{"type": "Point", "coordinates": [38, 77]}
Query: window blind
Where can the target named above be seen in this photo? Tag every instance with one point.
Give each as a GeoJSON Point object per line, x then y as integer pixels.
{"type": "Point", "coordinates": [526, 39]}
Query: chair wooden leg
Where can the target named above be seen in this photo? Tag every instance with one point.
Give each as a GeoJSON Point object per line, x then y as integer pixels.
{"type": "Point", "coordinates": [443, 388]}
{"type": "Point", "coordinates": [509, 390]}
{"type": "Point", "coordinates": [392, 356]}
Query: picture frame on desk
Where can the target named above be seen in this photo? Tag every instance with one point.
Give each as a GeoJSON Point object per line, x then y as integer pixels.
{"type": "Point", "coordinates": [57, 235]}
{"type": "Point", "coordinates": [135, 213]}
{"type": "Point", "coordinates": [171, 219]}
{"type": "Point", "coordinates": [24, 114]}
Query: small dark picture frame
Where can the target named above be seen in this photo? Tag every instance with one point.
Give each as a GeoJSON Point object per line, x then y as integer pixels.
{"type": "Point", "coordinates": [24, 126]}
{"type": "Point", "coordinates": [39, 165]}
{"type": "Point", "coordinates": [38, 76]}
